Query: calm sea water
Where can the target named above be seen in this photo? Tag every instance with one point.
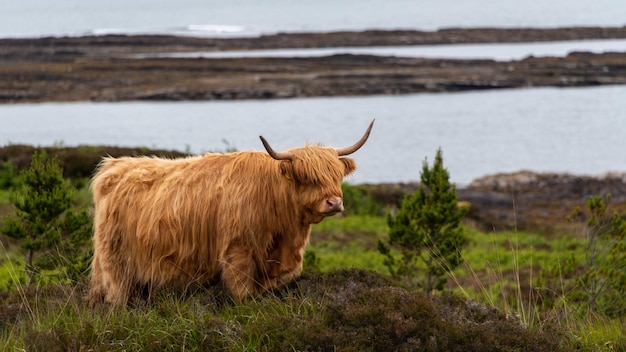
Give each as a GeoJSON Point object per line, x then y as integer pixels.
{"type": "Point", "coordinates": [577, 130]}
{"type": "Point", "coordinates": [246, 17]}
{"type": "Point", "coordinates": [564, 130]}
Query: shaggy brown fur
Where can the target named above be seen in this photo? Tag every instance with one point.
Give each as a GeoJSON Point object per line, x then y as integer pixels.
{"type": "Point", "coordinates": [243, 218]}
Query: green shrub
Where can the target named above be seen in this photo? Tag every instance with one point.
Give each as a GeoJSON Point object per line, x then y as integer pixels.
{"type": "Point", "coordinates": [603, 283]}
{"type": "Point", "coordinates": [7, 175]}
{"type": "Point", "coordinates": [358, 201]}
{"type": "Point", "coordinates": [427, 229]}
{"type": "Point", "coordinates": [47, 227]}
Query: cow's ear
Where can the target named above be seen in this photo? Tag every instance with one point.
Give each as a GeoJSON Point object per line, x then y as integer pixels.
{"type": "Point", "coordinates": [349, 164]}
{"type": "Point", "coordinates": [286, 170]}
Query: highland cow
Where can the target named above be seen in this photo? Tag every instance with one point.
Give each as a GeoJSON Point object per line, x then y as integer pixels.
{"type": "Point", "coordinates": [243, 218]}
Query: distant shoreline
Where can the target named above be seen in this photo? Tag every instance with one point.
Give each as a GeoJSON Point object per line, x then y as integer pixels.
{"type": "Point", "coordinates": [100, 68]}
{"type": "Point", "coordinates": [119, 44]}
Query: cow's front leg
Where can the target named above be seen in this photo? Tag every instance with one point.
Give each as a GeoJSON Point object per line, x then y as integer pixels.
{"type": "Point", "coordinates": [239, 271]}
{"type": "Point", "coordinates": [284, 263]}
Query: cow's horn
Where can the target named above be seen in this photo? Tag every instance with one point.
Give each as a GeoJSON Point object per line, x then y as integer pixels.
{"type": "Point", "coordinates": [353, 148]}
{"type": "Point", "coordinates": [274, 154]}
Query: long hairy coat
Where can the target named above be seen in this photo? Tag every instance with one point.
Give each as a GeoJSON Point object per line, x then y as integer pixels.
{"type": "Point", "coordinates": [243, 218]}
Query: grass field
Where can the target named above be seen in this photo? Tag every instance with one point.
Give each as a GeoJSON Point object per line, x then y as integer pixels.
{"type": "Point", "coordinates": [500, 270]}
{"type": "Point", "coordinates": [505, 271]}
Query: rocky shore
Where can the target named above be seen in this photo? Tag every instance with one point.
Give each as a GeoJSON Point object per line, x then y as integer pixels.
{"type": "Point", "coordinates": [540, 201]}
{"type": "Point", "coordinates": [525, 200]}
{"type": "Point", "coordinates": [116, 68]}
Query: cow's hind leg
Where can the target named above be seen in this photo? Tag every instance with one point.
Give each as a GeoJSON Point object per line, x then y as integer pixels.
{"type": "Point", "coordinates": [239, 271]}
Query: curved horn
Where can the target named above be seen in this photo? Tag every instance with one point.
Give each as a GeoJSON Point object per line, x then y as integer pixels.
{"type": "Point", "coordinates": [353, 148]}
{"type": "Point", "coordinates": [274, 154]}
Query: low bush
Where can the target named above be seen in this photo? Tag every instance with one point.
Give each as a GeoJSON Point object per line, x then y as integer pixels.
{"type": "Point", "coordinates": [7, 175]}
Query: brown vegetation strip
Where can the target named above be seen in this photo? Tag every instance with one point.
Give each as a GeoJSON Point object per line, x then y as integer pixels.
{"type": "Point", "coordinates": [117, 79]}
{"type": "Point", "coordinates": [124, 44]}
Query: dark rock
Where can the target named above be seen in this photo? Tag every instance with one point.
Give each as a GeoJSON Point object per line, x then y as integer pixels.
{"type": "Point", "coordinates": [525, 200]}
{"type": "Point", "coordinates": [538, 201]}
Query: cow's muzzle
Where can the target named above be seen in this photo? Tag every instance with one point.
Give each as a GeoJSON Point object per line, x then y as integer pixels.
{"type": "Point", "coordinates": [334, 205]}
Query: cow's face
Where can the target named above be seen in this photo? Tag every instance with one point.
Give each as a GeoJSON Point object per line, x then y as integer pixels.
{"type": "Point", "coordinates": [317, 174]}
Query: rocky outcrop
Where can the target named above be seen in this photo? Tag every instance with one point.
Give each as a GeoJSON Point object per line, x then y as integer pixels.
{"type": "Point", "coordinates": [539, 201]}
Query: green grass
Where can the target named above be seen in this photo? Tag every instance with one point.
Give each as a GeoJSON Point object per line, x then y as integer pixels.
{"type": "Point", "coordinates": [82, 195]}
{"type": "Point", "coordinates": [5, 196]}
{"type": "Point", "coordinates": [351, 256]}
{"type": "Point", "coordinates": [598, 334]}
{"type": "Point", "coordinates": [501, 269]}
{"type": "Point", "coordinates": [494, 259]}
{"type": "Point", "coordinates": [360, 223]}
{"type": "Point", "coordinates": [65, 323]}
{"type": "Point", "coordinates": [11, 267]}
{"type": "Point", "coordinates": [347, 310]}
{"type": "Point", "coordinates": [517, 259]}
{"type": "Point", "coordinates": [349, 242]}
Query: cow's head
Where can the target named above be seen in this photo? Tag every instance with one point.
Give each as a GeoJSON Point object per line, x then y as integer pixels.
{"type": "Point", "coordinates": [317, 173]}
